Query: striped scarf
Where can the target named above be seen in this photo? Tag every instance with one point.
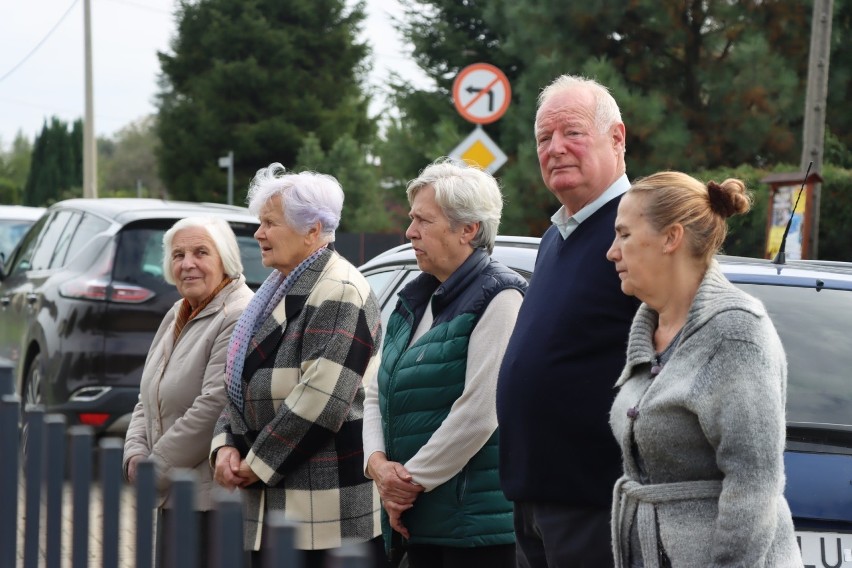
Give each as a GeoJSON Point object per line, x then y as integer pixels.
{"type": "Point", "coordinates": [186, 313]}
{"type": "Point", "coordinates": [265, 300]}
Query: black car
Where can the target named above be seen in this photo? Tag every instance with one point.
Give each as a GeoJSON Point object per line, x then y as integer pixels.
{"type": "Point", "coordinates": [810, 303]}
{"type": "Point", "coordinates": [83, 294]}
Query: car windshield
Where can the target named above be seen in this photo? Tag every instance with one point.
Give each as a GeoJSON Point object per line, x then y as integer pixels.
{"type": "Point", "coordinates": [11, 231]}
{"type": "Point", "coordinates": [814, 327]}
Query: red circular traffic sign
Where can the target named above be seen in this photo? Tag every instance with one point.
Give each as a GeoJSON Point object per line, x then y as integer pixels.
{"type": "Point", "coordinates": [481, 93]}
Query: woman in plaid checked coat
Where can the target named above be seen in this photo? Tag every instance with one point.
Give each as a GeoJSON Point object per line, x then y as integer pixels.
{"type": "Point", "coordinates": [290, 436]}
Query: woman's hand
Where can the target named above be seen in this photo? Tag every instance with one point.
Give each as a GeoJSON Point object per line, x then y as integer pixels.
{"type": "Point", "coordinates": [227, 470]}
{"type": "Point", "coordinates": [393, 480]}
{"type": "Point", "coordinates": [132, 464]}
{"type": "Point", "coordinates": [396, 488]}
{"type": "Point", "coordinates": [394, 511]}
{"type": "Point", "coordinates": [247, 475]}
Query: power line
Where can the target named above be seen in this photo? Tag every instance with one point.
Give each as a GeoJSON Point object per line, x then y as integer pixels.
{"type": "Point", "coordinates": [39, 44]}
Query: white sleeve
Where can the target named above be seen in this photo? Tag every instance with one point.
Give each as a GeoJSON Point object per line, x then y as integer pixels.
{"type": "Point", "coordinates": [473, 417]}
{"type": "Point", "coordinates": [374, 438]}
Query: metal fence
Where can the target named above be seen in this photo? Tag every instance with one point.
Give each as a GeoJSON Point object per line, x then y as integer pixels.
{"type": "Point", "coordinates": [38, 452]}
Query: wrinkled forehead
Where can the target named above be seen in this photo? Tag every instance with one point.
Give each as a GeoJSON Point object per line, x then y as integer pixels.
{"type": "Point", "coordinates": [192, 238]}
{"type": "Point", "coordinates": [576, 106]}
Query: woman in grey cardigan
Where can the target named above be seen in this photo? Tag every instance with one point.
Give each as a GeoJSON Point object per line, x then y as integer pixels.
{"type": "Point", "coordinates": [699, 413]}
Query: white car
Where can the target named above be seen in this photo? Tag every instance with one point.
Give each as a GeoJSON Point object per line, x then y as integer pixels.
{"type": "Point", "coordinates": [14, 222]}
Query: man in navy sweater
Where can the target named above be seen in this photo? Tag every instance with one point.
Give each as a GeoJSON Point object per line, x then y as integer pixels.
{"type": "Point", "coordinates": [558, 459]}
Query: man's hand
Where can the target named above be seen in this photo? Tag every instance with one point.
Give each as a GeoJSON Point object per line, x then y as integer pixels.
{"type": "Point", "coordinates": [227, 470]}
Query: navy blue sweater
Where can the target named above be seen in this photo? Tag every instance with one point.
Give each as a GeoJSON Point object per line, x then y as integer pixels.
{"type": "Point", "coordinates": [556, 382]}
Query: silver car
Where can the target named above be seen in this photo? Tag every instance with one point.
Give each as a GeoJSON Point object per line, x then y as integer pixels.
{"type": "Point", "coordinates": [14, 222]}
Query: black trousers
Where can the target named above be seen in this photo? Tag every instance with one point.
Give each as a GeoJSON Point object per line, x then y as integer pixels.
{"type": "Point", "coordinates": [429, 556]}
{"type": "Point", "coordinates": [558, 536]}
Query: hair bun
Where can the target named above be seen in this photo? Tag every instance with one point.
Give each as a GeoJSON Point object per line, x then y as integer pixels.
{"type": "Point", "coordinates": [729, 198]}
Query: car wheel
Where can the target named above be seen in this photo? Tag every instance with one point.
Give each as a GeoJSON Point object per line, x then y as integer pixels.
{"type": "Point", "coordinates": [32, 394]}
{"type": "Point", "coordinates": [32, 385]}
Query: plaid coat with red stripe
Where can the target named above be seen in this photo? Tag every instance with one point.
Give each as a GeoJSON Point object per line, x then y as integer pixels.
{"type": "Point", "coordinates": [300, 430]}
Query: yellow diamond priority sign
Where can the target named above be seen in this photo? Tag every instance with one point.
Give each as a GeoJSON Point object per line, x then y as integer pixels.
{"type": "Point", "coordinates": [480, 150]}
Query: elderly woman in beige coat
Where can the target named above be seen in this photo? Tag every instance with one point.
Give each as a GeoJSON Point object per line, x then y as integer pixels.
{"type": "Point", "coordinates": [182, 391]}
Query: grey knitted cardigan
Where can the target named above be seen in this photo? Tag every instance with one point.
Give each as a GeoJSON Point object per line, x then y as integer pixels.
{"type": "Point", "coordinates": [711, 430]}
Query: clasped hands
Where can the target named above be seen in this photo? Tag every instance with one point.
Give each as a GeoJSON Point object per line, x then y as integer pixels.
{"type": "Point", "coordinates": [397, 488]}
{"type": "Point", "coordinates": [231, 471]}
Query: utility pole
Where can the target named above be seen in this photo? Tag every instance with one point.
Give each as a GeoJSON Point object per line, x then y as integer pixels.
{"type": "Point", "coordinates": [90, 151]}
{"type": "Point", "coordinates": [813, 135]}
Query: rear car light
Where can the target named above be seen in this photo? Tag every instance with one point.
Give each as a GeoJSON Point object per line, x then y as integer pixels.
{"type": "Point", "coordinates": [95, 284]}
{"type": "Point", "coordinates": [96, 419]}
{"type": "Point", "coordinates": [86, 288]}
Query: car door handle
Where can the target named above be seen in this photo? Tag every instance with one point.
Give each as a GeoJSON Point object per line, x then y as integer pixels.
{"type": "Point", "coordinates": [32, 299]}
{"type": "Point", "coordinates": [4, 301]}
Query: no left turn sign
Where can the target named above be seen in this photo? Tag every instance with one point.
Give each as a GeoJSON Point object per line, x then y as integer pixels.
{"type": "Point", "coordinates": [481, 93]}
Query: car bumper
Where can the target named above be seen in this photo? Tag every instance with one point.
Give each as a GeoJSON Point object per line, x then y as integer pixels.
{"type": "Point", "coordinates": [107, 409]}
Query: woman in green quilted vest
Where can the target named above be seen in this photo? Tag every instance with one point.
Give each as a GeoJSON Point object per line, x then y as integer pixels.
{"type": "Point", "coordinates": [430, 423]}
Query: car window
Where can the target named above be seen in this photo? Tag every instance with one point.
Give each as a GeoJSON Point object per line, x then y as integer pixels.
{"type": "Point", "coordinates": [88, 227]}
{"type": "Point", "coordinates": [253, 268]}
{"type": "Point", "coordinates": [11, 232]}
{"type": "Point", "coordinates": [139, 256]}
{"type": "Point", "coordinates": [57, 259]}
{"type": "Point", "coordinates": [21, 260]}
{"type": "Point", "coordinates": [51, 238]}
{"type": "Point", "coordinates": [814, 327]}
{"type": "Point", "coordinates": [139, 259]}
{"type": "Point", "coordinates": [378, 281]}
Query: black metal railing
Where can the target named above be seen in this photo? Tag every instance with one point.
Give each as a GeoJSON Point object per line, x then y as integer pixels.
{"type": "Point", "coordinates": [42, 474]}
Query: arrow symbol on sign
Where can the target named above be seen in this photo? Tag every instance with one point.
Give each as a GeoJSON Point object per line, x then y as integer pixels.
{"type": "Point", "coordinates": [479, 94]}
{"type": "Point", "coordinates": [490, 94]}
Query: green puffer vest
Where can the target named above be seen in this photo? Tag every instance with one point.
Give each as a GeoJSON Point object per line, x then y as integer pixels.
{"type": "Point", "coordinates": [417, 387]}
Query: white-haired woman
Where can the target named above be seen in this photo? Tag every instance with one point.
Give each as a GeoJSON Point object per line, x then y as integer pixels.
{"type": "Point", "coordinates": [430, 423]}
{"type": "Point", "coordinates": [290, 435]}
{"type": "Point", "coordinates": [182, 392]}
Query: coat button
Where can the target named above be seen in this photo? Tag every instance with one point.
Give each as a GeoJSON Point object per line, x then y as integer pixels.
{"type": "Point", "coordinates": [633, 413]}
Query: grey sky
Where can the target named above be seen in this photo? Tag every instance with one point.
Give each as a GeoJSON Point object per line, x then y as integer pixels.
{"type": "Point", "coordinates": [126, 37]}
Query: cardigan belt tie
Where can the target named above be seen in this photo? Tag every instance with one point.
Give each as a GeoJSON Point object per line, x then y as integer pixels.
{"type": "Point", "coordinates": [632, 498]}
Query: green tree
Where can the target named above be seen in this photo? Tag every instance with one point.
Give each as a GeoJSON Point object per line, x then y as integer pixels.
{"type": "Point", "coordinates": [838, 116]}
{"type": "Point", "coordinates": [129, 158]}
{"type": "Point", "coordinates": [701, 84]}
{"type": "Point", "coordinates": [446, 36]}
{"type": "Point", "coordinates": [14, 169]}
{"type": "Point", "coordinates": [254, 77]}
{"type": "Point", "coordinates": [364, 208]}
{"type": "Point", "coordinates": [56, 170]}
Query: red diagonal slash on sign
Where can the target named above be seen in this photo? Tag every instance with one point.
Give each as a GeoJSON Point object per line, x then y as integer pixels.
{"type": "Point", "coordinates": [466, 108]}
{"type": "Point", "coordinates": [482, 93]}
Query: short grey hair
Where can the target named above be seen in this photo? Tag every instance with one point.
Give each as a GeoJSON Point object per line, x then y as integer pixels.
{"type": "Point", "coordinates": [607, 112]}
{"type": "Point", "coordinates": [466, 195]}
{"type": "Point", "coordinates": [306, 197]}
{"type": "Point", "coordinates": [221, 234]}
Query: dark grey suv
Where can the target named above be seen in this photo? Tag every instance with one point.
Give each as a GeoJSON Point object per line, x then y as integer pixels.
{"type": "Point", "coordinates": [810, 303]}
{"type": "Point", "coordinates": [83, 294]}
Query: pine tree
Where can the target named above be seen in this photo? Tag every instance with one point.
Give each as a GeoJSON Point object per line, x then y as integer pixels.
{"type": "Point", "coordinates": [255, 77]}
